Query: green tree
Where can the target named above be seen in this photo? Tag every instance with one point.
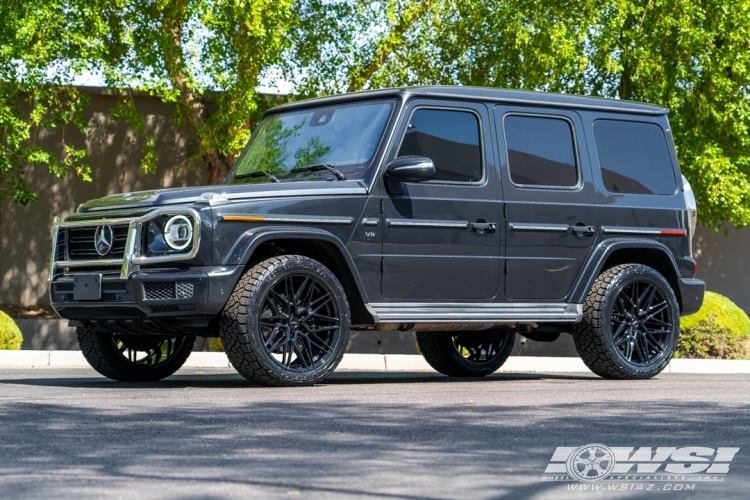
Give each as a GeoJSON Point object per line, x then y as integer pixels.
{"type": "Point", "coordinates": [43, 45]}
{"type": "Point", "coordinates": [689, 55]}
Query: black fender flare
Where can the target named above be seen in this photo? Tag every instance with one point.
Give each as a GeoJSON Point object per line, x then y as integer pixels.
{"type": "Point", "coordinates": [602, 252]}
{"type": "Point", "coordinates": [246, 244]}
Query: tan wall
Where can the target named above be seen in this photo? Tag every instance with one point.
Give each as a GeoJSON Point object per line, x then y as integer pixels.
{"type": "Point", "coordinates": [114, 155]}
{"type": "Point", "coordinates": [114, 152]}
{"type": "Point", "coordinates": [724, 263]}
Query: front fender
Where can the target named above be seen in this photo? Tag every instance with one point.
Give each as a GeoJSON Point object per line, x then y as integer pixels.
{"type": "Point", "coordinates": [245, 246]}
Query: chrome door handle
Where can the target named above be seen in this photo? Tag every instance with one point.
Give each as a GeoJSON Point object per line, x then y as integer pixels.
{"type": "Point", "coordinates": [581, 230]}
{"type": "Point", "coordinates": [483, 227]}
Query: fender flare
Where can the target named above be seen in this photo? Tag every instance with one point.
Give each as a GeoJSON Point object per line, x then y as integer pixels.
{"type": "Point", "coordinates": [243, 248]}
{"type": "Point", "coordinates": [603, 251]}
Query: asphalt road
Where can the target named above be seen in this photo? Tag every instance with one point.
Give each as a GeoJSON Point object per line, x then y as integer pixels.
{"type": "Point", "coordinates": [206, 433]}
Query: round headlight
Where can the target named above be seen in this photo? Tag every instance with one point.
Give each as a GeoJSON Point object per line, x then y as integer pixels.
{"type": "Point", "coordinates": [178, 232]}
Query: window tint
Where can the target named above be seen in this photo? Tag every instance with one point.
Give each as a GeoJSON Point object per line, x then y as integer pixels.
{"type": "Point", "coordinates": [540, 151]}
{"type": "Point", "coordinates": [450, 139]}
{"type": "Point", "coordinates": [634, 157]}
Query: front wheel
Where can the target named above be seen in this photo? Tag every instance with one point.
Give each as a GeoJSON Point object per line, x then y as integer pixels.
{"type": "Point", "coordinates": [286, 322]}
{"type": "Point", "coordinates": [134, 358]}
{"type": "Point", "coordinates": [631, 323]}
{"type": "Point", "coordinates": [466, 354]}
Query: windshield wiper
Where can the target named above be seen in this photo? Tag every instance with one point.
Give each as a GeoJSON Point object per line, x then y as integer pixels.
{"type": "Point", "coordinates": [258, 173]}
{"type": "Point", "coordinates": [316, 168]}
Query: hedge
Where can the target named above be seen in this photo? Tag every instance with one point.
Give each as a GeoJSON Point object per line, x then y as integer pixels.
{"type": "Point", "coordinates": [719, 330]}
{"type": "Point", "coordinates": [10, 335]}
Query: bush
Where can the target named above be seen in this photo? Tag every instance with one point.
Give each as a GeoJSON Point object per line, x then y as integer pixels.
{"type": "Point", "coordinates": [719, 330]}
{"type": "Point", "coordinates": [10, 335]}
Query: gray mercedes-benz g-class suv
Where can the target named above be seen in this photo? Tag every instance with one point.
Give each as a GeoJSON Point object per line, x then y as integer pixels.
{"type": "Point", "coordinates": [466, 215]}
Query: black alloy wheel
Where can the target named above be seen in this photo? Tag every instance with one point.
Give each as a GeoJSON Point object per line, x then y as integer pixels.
{"type": "Point", "coordinates": [466, 354]}
{"type": "Point", "coordinates": [134, 358]}
{"type": "Point", "coordinates": [641, 322]}
{"type": "Point", "coordinates": [630, 325]}
{"type": "Point", "coordinates": [299, 322]}
{"type": "Point", "coordinates": [286, 322]}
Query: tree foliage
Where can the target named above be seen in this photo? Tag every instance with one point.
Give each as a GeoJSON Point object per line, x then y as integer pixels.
{"type": "Point", "coordinates": [207, 56]}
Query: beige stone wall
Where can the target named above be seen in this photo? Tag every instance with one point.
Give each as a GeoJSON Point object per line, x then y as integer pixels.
{"type": "Point", "coordinates": [114, 152]}
{"type": "Point", "coordinates": [114, 155]}
{"type": "Point", "coordinates": [724, 263]}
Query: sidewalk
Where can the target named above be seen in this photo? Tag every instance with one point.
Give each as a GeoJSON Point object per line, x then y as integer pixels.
{"type": "Point", "coordinates": [387, 362]}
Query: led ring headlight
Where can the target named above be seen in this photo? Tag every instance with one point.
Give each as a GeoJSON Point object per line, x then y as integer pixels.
{"type": "Point", "coordinates": [178, 232]}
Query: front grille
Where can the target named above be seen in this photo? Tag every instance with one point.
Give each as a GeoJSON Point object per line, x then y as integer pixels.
{"type": "Point", "coordinates": [80, 243]}
{"type": "Point", "coordinates": [112, 291]}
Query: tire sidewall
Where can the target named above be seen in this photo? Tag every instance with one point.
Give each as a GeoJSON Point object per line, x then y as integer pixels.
{"type": "Point", "coordinates": [281, 270]}
{"type": "Point", "coordinates": [623, 279]}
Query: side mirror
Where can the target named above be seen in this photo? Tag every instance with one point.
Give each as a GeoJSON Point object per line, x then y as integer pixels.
{"type": "Point", "coordinates": [410, 169]}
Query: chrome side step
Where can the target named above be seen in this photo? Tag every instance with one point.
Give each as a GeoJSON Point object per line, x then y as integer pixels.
{"type": "Point", "coordinates": [443, 312]}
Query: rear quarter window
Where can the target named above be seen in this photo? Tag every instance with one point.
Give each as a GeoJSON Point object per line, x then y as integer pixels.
{"type": "Point", "coordinates": [634, 158]}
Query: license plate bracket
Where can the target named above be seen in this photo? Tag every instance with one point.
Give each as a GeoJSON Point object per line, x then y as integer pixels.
{"type": "Point", "coordinates": [87, 287]}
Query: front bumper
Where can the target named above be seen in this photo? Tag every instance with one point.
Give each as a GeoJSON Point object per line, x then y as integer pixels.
{"type": "Point", "coordinates": [150, 301]}
{"type": "Point", "coordinates": [691, 292]}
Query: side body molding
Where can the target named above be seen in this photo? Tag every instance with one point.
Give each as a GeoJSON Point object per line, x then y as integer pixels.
{"type": "Point", "coordinates": [601, 253]}
{"type": "Point", "coordinates": [246, 244]}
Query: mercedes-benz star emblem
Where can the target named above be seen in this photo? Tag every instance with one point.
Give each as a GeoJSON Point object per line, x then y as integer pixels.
{"type": "Point", "coordinates": [103, 240]}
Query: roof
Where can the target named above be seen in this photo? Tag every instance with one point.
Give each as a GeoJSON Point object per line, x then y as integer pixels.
{"type": "Point", "coordinates": [486, 94]}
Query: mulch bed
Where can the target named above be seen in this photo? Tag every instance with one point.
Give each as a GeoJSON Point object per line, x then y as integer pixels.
{"type": "Point", "coordinates": [17, 311]}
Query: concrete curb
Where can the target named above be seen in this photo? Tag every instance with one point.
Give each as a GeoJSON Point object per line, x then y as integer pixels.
{"type": "Point", "coordinates": [387, 362]}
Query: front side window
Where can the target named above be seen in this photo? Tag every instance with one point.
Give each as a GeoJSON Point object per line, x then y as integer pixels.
{"type": "Point", "coordinates": [634, 158]}
{"type": "Point", "coordinates": [450, 139]}
{"type": "Point", "coordinates": [540, 151]}
{"type": "Point", "coordinates": [300, 143]}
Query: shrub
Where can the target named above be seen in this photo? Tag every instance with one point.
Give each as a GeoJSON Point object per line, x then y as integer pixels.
{"type": "Point", "coordinates": [718, 330]}
{"type": "Point", "coordinates": [10, 335]}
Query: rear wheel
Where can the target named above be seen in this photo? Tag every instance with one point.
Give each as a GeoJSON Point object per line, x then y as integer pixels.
{"type": "Point", "coordinates": [631, 323]}
{"type": "Point", "coordinates": [134, 358]}
{"type": "Point", "coordinates": [466, 354]}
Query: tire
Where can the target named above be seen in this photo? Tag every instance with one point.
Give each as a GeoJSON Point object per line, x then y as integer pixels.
{"type": "Point", "coordinates": [286, 323]}
{"type": "Point", "coordinates": [617, 338]}
{"type": "Point", "coordinates": [451, 353]}
{"type": "Point", "coordinates": [116, 356]}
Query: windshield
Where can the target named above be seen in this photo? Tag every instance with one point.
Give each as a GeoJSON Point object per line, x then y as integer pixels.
{"type": "Point", "coordinates": [312, 142]}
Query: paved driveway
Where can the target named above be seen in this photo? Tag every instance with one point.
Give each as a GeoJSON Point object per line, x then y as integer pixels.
{"type": "Point", "coordinates": [206, 433]}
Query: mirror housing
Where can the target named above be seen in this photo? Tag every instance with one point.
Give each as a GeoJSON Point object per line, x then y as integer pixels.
{"type": "Point", "coordinates": [410, 169]}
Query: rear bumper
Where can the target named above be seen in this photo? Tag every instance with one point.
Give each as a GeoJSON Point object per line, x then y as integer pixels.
{"type": "Point", "coordinates": [691, 292]}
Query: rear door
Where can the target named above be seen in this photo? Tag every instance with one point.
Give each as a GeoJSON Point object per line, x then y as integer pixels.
{"type": "Point", "coordinates": [551, 214]}
{"type": "Point", "coordinates": [441, 238]}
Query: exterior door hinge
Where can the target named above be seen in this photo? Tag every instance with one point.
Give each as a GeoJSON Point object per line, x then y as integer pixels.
{"type": "Point", "coordinates": [382, 265]}
{"type": "Point", "coordinates": [505, 267]}
{"type": "Point", "coordinates": [505, 210]}
{"type": "Point", "coordinates": [382, 204]}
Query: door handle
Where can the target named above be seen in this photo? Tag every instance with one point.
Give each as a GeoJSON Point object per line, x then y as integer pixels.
{"type": "Point", "coordinates": [483, 227]}
{"type": "Point", "coordinates": [580, 230]}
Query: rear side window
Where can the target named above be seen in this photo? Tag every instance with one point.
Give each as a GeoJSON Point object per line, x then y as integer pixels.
{"type": "Point", "coordinates": [634, 158]}
{"type": "Point", "coordinates": [540, 151]}
{"type": "Point", "coordinates": [450, 139]}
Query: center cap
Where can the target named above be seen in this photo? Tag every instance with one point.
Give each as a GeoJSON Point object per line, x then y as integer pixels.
{"type": "Point", "coordinates": [294, 323]}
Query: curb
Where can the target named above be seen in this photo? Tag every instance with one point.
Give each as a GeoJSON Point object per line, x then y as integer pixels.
{"type": "Point", "coordinates": [385, 362]}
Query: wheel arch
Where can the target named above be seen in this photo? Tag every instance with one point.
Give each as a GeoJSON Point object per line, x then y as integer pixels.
{"type": "Point", "coordinates": [320, 245]}
{"type": "Point", "coordinates": [611, 253]}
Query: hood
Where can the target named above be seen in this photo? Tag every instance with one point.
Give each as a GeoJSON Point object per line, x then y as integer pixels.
{"type": "Point", "coordinates": [212, 195]}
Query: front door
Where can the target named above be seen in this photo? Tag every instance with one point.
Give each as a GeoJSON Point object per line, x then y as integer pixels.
{"type": "Point", "coordinates": [441, 238]}
{"type": "Point", "coordinates": [551, 215]}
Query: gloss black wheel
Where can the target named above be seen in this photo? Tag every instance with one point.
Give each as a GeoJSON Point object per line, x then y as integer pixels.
{"type": "Point", "coordinates": [631, 323]}
{"type": "Point", "coordinates": [286, 323]}
{"type": "Point", "coordinates": [466, 354]}
{"type": "Point", "coordinates": [134, 358]}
